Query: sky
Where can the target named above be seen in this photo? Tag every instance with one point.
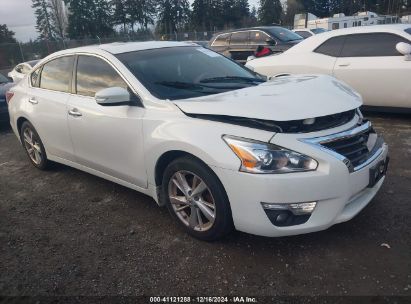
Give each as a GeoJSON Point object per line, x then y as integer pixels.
{"type": "Point", "coordinates": [19, 17]}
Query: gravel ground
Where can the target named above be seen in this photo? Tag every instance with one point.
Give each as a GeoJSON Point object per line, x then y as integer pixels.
{"type": "Point", "coordinates": [65, 232]}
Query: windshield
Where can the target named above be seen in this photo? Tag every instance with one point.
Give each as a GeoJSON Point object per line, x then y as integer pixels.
{"type": "Point", "coordinates": [318, 30]}
{"type": "Point", "coordinates": [283, 34]}
{"type": "Point", "coordinates": [186, 72]}
{"type": "Point", "coordinates": [3, 79]}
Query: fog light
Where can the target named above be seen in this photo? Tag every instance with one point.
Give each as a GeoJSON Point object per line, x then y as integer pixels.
{"type": "Point", "coordinates": [283, 215]}
{"type": "Point", "coordinates": [295, 208]}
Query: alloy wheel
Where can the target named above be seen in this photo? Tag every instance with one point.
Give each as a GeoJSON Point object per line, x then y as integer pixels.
{"type": "Point", "coordinates": [192, 200]}
{"type": "Point", "coordinates": [32, 145]}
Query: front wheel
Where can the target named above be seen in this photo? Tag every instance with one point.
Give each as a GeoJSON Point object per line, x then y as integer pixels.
{"type": "Point", "coordinates": [197, 199]}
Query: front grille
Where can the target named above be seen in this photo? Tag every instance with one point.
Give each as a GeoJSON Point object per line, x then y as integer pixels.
{"type": "Point", "coordinates": [354, 148]}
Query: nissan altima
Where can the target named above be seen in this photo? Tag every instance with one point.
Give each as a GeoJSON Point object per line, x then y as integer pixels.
{"type": "Point", "coordinates": [206, 137]}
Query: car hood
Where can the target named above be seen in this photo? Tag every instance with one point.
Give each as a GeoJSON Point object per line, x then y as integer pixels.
{"type": "Point", "coordinates": [282, 99]}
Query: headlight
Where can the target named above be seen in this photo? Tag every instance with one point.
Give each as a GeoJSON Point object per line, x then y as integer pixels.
{"type": "Point", "coordinates": [260, 157]}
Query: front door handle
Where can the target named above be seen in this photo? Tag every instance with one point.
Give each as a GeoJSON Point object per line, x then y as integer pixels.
{"type": "Point", "coordinates": [75, 113]}
{"type": "Point", "coordinates": [345, 64]}
{"type": "Point", "coordinates": [33, 101]}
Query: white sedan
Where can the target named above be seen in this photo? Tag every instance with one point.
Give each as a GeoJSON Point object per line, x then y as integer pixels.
{"type": "Point", "coordinates": [202, 135]}
{"type": "Point", "coordinates": [374, 60]}
{"type": "Point", "coordinates": [21, 70]}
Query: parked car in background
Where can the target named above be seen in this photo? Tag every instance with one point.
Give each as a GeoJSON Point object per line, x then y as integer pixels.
{"type": "Point", "coordinates": [21, 70]}
{"type": "Point", "coordinates": [306, 33]}
{"type": "Point", "coordinates": [242, 43]}
{"type": "Point", "coordinates": [204, 136]}
{"type": "Point", "coordinates": [5, 84]}
{"type": "Point", "coordinates": [374, 60]}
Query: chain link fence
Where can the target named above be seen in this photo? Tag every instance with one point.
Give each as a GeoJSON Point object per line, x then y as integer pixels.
{"type": "Point", "coordinates": [12, 54]}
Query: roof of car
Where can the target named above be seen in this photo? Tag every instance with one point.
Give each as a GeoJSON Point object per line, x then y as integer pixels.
{"type": "Point", "coordinates": [125, 47]}
{"type": "Point", "coordinates": [250, 28]}
{"type": "Point", "coordinates": [369, 29]}
{"type": "Point", "coordinates": [312, 42]}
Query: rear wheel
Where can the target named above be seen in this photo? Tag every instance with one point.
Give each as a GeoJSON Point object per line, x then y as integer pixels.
{"type": "Point", "coordinates": [196, 198]}
{"type": "Point", "coordinates": [33, 146]}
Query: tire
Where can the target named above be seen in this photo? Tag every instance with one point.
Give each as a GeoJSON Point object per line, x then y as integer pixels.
{"type": "Point", "coordinates": [199, 201]}
{"type": "Point", "coordinates": [34, 146]}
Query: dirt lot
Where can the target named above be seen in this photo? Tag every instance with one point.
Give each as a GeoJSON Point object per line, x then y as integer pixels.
{"type": "Point", "coordinates": [65, 232]}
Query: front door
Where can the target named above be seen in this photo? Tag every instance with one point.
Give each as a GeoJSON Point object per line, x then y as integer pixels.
{"type": "Point", "coordinates": [105, 138]}
{"type": "Point", "coordinates": [371, 64]}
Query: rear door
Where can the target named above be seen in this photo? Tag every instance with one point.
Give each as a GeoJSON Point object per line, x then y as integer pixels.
{"type": "Point", "coordinates": [371, 64]}
{"type": "Point", "coordinates": [46, 104]}
{"type": "Point", "coordinates": [240, 47]}
{"type": "Point", "coordinates": [107, 139]}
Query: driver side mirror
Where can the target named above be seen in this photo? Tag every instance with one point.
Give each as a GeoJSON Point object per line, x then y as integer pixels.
{"type": "Point", "coordinates": [270, 41]}
{"type": "Point", "coordinates": [112, 96]}
{"type": "Point", "coordinates": [404, 49]}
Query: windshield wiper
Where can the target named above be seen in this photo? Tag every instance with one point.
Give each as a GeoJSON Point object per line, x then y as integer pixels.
{"type": "Point", "coordinates": [232, 79]}
{"type": "Point", "coordinates": [195, 86]}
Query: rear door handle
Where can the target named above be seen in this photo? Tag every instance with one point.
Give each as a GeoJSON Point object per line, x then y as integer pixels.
{"type": "Point", "coordinates": [33, 101]}
{"type": "Point", "coordinates": [75, 113]}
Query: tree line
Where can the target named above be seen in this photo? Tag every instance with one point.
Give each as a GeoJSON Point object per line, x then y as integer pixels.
{"type": "Point", "coordinates": [107, 18]}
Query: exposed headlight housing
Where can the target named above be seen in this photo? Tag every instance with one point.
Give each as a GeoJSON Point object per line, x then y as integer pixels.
{"type": "Point", "coordinates": [265, 158]}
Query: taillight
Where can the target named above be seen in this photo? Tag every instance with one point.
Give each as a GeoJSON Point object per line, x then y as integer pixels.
{"type": "Point", "coordinates": [9, 96]}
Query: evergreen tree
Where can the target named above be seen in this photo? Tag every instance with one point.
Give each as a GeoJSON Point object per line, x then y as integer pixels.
{"type": "Point", "coordinates": [141, 12]}
{"type": "Point", "coordinates": [120, 13]}
{"type": "Point", "coordinates": [172, 15]}
{"type": "Point", "coordinates": [101, 18]}
{"type": "Point", "coordinates": [89, 18]}
{"type": "Point", "coordinates": [6, 36]}
{"type": "Point", "coordinates": [270, 12]}
{"type": "Point", "coordinates": [43, 20]}
{"type": "Point", "coordinates": [57, 17]}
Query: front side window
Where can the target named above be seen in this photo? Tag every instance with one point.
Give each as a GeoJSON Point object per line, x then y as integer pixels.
{"type": "Point", "coordinates": [320, 30]}
{"type": "Point", "coordinates": [239, 38]}
{"type": "Point", "coordinates": [408, 30]}
{"type": "Point", "coordinates": [94, 74]}
{"type": "Point", "coordinates": [221, 40]}
{"type": "Point", "coordinates": [303, 34]}
{"type": "Point", "coordinates": [56, 74]}
{"type": "Point", "coordinates": [371, 45]}
{"type": "Point", "coordinates": [331, 47]}
{"type": "Point", "coordinates": [185, 72]}
{"type": "Point", "coordinates": [283, 34]}
{"type": "Point", "coordinates": [260, 38]}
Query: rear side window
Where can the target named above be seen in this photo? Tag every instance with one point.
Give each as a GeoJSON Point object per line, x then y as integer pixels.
{"type": "Point", "coordinates": [331, 47]}
{"type": "Point", "coordinates": [94, 74]}
{"type": "Point", "coordinates": [239, 38]}
{"type": "Point", "coordinates": [371, 45]}
{"type": "Point", "coordinates": [221, 40]}
{"type": "Point", "coordinates": [56, 74]}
